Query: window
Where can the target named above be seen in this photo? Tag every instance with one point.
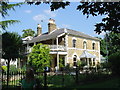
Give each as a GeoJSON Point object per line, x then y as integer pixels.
{"type": "Point", "coordinates": [74, 43]}
{"type": "Point", "coordinates": [84, 45]}
{"type": "Point", "coordinates": [93, 61]}
{"type": "Point", "coordinates": [93, 46]}
{"type": "Point", "coordinates": [74, 60]}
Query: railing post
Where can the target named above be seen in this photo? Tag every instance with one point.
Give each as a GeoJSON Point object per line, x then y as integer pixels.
{"type": "Point", "coordinates": [76, 74]}
{"type": "Point", "coordinates": [45, 79]}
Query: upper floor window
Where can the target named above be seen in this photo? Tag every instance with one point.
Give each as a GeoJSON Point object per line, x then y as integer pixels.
{"type": "Point", "coordinates": [84, 45]}
{"type": "Point", "coordinates": [74, 43]}
{"type": "Point", "coordinates": [93, 46]}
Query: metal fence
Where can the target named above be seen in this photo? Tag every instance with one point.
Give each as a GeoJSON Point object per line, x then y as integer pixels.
{"type": "Point", "coordinates": [63, 78]}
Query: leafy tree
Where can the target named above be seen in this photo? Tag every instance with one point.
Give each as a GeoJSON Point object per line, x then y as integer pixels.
{"type": "Point", "coordinates": [111, 41]}
{"type": "Point", "coordinates": [4, 8]}
{"type": "Point", "coordinates": [39, 58]}
{"type": "Point", "coordinates": [11, 45]}
{"type": "Point", "coordinates": [111, 9]}
{"type": "Point", "coordinates": [28, 32]}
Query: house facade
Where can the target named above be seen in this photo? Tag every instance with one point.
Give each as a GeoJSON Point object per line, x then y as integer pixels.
{"type": "Point", "coordinates": [70, 45]}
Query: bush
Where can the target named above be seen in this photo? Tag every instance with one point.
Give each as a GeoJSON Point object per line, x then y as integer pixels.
{"type": "Point", "coordinates": [4, 68]}
{"type": "Point", "coordinates": [23, 68]}
{"type": "Point", "coordinates": [114, 59]}
{"type": "Point", "coordinates": [13, 69]}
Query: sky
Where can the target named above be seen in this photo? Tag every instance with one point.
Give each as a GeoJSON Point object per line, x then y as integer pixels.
{"type": "Point", "coordinates": [31, 15]}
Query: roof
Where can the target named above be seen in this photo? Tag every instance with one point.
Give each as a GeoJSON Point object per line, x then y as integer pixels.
{"type": "Point", "coordinates": [86, 54]}
{"type": "Point", "coordinates": [55, 33]}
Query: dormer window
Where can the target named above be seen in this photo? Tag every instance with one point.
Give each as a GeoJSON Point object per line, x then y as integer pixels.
{"type": "Point", "coordinates": [74, 43]}
{"type": "Point", "coordinates": [93, 46]}
{"type": "Point", "coordinates": [84, 45]}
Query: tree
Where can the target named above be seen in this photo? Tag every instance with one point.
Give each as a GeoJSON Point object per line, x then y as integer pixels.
{"type": "Point", "coordinates": [11, 45]}
{"type": "Point", "coordinates": [39, 58]}
{"type": "Point", "coordinates": [4, 7]}
{"type": "Point", "coordinates": [28, 32]}
{"type": "Point", "coordinates": [111, 9]}
{"type": "Point", "coordinates": [111, 43]}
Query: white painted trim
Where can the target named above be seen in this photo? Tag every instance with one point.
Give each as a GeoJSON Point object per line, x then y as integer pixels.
{"type": "Point", "coordinates": [61, 53]}
{"type": "Point", "coordinates": [84, 40]}
{"type": "Point", "coordinates": [61, 35]}
{"type": "Point", "coordinates": [93, 42]}
{"type": "Point", "coordinates": [83, 49]}
{"type": "Point", "coordinates": [52, 31]}
{"type": "Point", "coordinates": [76, 55]}
{"type": "Point", "coordinates": [74, 38]}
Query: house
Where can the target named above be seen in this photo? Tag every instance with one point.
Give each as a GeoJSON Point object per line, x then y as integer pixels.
{"type": "Point", "coordinates": [67, 44]}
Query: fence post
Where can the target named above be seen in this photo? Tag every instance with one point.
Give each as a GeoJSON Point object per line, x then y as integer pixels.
{"type": "Point", "coordinates": [2, 76]}
{"type": "Point", "coordinates": [45, 79]}
{"type": "Point", "coordinates": [76, 74]}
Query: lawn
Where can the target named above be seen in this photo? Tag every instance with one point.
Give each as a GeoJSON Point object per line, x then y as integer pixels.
{"type": "Point", "coordinates": [110, 83]}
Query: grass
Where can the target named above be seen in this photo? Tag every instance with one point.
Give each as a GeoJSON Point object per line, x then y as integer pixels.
{"type": "Point", "coordinates": [111, 83]}
{"type": "Point", "coordinates": [60, 81]}
{"type": "Point", "coordinates": [56, 81]}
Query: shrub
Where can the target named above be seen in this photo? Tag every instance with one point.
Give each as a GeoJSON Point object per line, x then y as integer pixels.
{"type": "Point", "coordinates": [114, 59]}
{"type": "Point", "coordinates": [13, 69]}
{"type": "Point", "coordinates": [4, 68]}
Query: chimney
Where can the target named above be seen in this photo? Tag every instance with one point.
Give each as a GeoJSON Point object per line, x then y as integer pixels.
{"type": "Point", "coordinates": [39, 30]}
{"type": "Point", "coordinates": [51, 25]}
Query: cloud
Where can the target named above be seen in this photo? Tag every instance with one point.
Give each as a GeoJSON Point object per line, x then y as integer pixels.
{"type": "Point", "coordinates": [40, 17]}
{"type": "Point", "coordinates": [28, 11]}
{"type": "Point", "coordinates": [50, 13]}
{"type": "Point", "coordinates": [65, 26]}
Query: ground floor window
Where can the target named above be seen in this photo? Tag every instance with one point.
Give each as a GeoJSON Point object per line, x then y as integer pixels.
{"type": "Point", "coordinates": [74, 60]}
{"type": "Point", "coordinates": [93, 61]}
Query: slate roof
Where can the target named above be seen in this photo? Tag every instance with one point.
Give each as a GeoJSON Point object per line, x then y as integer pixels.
{"type": "Point", "coordinates": [55, 33]}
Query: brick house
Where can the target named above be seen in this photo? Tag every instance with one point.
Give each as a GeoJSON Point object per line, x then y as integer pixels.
{"type": "Point", "coordinates": [67, 44]}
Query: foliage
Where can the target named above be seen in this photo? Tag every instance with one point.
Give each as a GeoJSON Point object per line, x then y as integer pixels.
{"type": "Point", "coordinates": [5, 24]}
{"type": "Point", "coordinates": [4, 68]}
{"type": "Point", "coordinates": [28, 32]}
{"type": "Point", "coordinates": [111, 43]}
{"type": "Point", "coordinates": [114, 59]}
{"type": "Point", "coordinates": [11, 45]}
{"type": "Point", "coordinates": [4, 8]}
{"type": "Point", "coordinates": [23, 68]}
{"type": "Point", "coordinates": [110, 9]}
{"type": "Point", "coordinates": [39, 58]}
{"type": "Point", "coordinates": [61, 64]}
{"type": "Point", "coordinates": [13, 68]}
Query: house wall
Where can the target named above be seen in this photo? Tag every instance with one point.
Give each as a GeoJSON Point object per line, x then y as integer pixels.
{"type": "Point", "coordinates": [78, 50]}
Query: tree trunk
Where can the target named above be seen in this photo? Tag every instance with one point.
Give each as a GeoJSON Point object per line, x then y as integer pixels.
{"type": "Point", "coordinates": [8, 67]}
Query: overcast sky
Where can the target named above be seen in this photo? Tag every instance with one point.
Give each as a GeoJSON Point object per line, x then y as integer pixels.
{"type": "Point", "coordinates": [30, 15]}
